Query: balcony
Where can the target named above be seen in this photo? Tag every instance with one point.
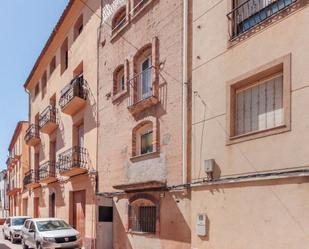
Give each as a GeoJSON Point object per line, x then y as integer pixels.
{"type": "Point", "coordinates": [251, 13]}
{"type": "Point", "coordinates": [73, 96]}
{"type": "Point", "coordinates": [48, 120]}
{"type": "Point", "coordinates": [143, 91]}
{"type": "Point", "coordinates": [31, 179]}
{"type": "Point", "coordinates": [72, 162]}
{"type": "Point", "coordinates": [11, 161]}
{"type": "Point", "coordinates": [13, 190]}
{"type": "Point", "coordinates": [47, 172]}
{"type": "Point", "coordinates": [32, 136]}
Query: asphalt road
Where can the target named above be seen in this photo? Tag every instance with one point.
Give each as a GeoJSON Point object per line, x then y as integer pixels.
{"type": "Point", "coordinates": [5, 244]}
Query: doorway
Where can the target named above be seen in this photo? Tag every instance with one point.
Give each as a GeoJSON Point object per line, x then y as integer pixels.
{"type": "Point", "coordinates": [79, 214]}
{"type": "Point", "coordinates": [52, 205]}
{"type": "Point", "coordinates": [36, 203]}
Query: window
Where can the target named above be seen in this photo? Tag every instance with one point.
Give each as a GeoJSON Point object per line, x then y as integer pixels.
{"type": "Point", "coordinates": [64, 56]}
{"type": "Point", "coordinates": [78, 27]}
{"type": "Point", "coordinates": [143, 70]}
{"type": "Point", "coordinates": [32, 226]}
{"type": "Point", "coordinates": [105, 214]}
{"type": "Point", "coordinates": [145, 87]}
{"type": "Point", "coordinates": [249, 13]}
{"type": "Point", "coordinates": [52, 65]}
{"type": "Point", "coordinates": [146, 142]}
{"type": "Point", "coordinates": [260, 106]}
{"type": "Point", "coordinates": [44, 83]}
{"type": "Point", "coordinates": [145, 138]}
{"type": "Point", "coordinates": [259, 102]}
{"type": "Point", "coordinates": [143, 216]}
{"type": "Point", "coordinates": [119, 19]}
{"type": "Point", "coordinates": [119, 80]}
{"type": "Point", "coordinates": [36, 90]}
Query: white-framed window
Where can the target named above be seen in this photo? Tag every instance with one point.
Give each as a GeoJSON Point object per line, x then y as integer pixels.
{"type": "Point", "coordinates": [145, 80]}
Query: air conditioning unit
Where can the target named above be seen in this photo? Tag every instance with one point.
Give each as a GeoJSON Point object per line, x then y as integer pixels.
{"type": "Point", "coordinates": [201, 225]}
{"type": "Point", "coordinates": [209, 165]}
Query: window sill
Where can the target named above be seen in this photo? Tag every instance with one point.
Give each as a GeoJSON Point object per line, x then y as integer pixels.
{"type": "Point", "coordinates": [119, 95]}
{"type": "Point", "coordinates": [148, 234]}
{"type": "Point", "coordinates": [145, 156]}
{"type": "Point", "coordinates": [257, 134]}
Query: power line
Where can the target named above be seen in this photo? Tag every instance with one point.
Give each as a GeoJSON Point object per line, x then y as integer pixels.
{"type": "Point", "coordinates": [205, 104]}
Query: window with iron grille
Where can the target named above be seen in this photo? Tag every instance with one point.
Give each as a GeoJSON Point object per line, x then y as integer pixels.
{"type": "Point", "coordinates": [248, 13]}
{"type": "Point", "coordinates": [143, 218]}
{"type": "Point", "coordinates": [259, 106]}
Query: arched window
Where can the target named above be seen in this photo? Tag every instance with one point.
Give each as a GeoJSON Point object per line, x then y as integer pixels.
{"type": "Point", "coordinates": [119, 19]}
{"type": "Point", "coordinates": [119, 83]}
{"type": "Point", "coordinates": [143, 214]}
{"type": "Point", "coordinates": [144, 139]}
{"type": "Point", "coordinates": [143, 73]}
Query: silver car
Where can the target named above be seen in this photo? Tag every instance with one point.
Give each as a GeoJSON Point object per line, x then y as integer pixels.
{"type": "Point", "coordinates": [49, 233]}
{"type": "Point", "coordinates": [12, 227]}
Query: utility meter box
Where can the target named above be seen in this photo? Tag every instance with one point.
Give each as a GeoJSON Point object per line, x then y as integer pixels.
{"type": "Point", "coordinates": [209, 165]}
{"type": "Point", "coordinates": [201, 225]}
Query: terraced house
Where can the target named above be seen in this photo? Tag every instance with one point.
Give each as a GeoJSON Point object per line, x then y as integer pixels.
{"type": "Point", "coordinates": [250, 148]}
{"type": "Point", "coordinates": [62, 131]}
{"type": "Point", "coordinates": [17, 167]}
{"type": "Point", "coordinates": [141, 126]}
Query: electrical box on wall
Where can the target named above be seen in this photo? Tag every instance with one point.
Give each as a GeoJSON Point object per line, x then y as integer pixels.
{"type": "Point", "coordinates": [201, 225]}
{"type": "Point", "coordinates": [209, 165]}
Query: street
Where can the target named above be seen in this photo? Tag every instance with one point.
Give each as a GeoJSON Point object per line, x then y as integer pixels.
{"type": "Point", "coordinates": [5, 244]}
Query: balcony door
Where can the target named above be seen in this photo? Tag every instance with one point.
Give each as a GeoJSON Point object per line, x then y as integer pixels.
{"type": "Point", "coordinates": [36, 166]}
{"type": "Point", "coordinates": [80, 135]}
{"type": "Point", "coordinates": [52, 156]}
{"type": "Point", "coordinates": [52, 205]}
{"type": "Point", "coordinates": [146, 78]}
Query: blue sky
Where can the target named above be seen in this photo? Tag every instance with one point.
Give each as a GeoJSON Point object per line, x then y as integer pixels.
{"type": "Point", "coordinates": [25, 27]}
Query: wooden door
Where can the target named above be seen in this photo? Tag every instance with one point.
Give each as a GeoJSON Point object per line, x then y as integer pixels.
{"type": "Point", "coordinates": [79, 213]}
{"type": "Point", "coordinates": [80, 134]}
{"type": "Point", "coordinates": [52, 205]}
{"type": "Point", "coordinates": [36, 202]}
{"type": "Point", "coordinates": [25, 206]}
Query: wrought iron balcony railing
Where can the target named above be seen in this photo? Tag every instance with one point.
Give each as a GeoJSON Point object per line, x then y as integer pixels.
{"type": "Point", "coordinates": [49, 115]}
{"type": "Point", "coordinates": [73, 159]}
{"type": "Point", "coordinates": [31, 178]}
{"type": "Point", "coordinates": [47, 170]}
{"type": "Point", "coordinates": [76, 88]}
{"type": "Point", "coordinates": [143, 91]}
{"type": "Point", "coordinates": [32, 136]}
{"type": "Point", "coordinates": [252, 12]}
{"type": "Point", "coordinates": [138, 5]}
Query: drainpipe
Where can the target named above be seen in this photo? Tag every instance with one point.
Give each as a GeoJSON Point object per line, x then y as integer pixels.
{"type": "Point", "coordinates": [185, 91]}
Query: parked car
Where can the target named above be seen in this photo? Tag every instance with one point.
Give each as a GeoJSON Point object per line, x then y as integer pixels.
{"type": "Point", "coordinates": [12, 227]}
{"type": "Point", "coordinates": [51, 233]}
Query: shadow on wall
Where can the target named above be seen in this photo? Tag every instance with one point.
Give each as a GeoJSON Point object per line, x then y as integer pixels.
{"type": "Point", "coordinates": [175, 232]}
{"type": "Point", "coordinates": [121, 232]}
{"type": "Point", "coordinates": [174, 227]}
